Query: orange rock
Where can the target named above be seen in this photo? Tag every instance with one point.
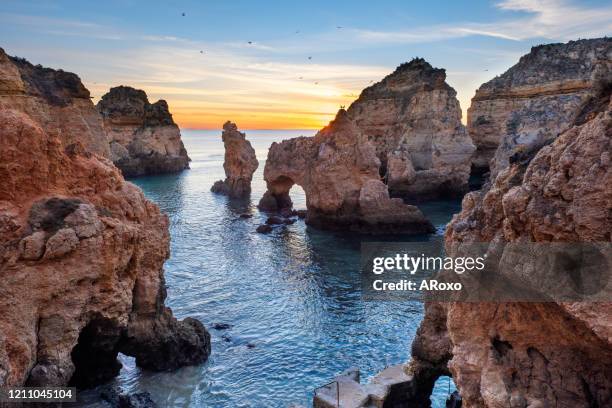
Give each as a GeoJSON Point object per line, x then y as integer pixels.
{"type": "Point", "coordinates": [81, 250]}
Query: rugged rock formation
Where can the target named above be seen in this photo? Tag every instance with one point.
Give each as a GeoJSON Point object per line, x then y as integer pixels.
{"type": "Point", "coordinates": [56, 100]}
{"type": "Point", "coordinates": [81, 250]}
{"type": "Point", "coordinates": [339, 172]}
{"type": "Point", "coordinates": [533, 354]}
{"type": "Point", "coordinates": [536, 99]}
{"type": "Point", "coordinates": [413, 119]}
{"type": "Point", "coordinates": [143, 137]}
{"type": "Point", "coordinates": [240, 163]}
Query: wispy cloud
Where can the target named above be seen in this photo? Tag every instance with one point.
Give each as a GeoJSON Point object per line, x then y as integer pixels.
{"type": "Point", "coordinates": [549, 19]}
{"type": "Point", "coordinates": [61, 27]}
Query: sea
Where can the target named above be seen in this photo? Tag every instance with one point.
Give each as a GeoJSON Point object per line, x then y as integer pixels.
{"type": "Point", "coordinates": [292, 298]}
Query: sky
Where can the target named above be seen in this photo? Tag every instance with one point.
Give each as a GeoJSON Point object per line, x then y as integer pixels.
{"type": "Point", "coordinates": [281, 64]}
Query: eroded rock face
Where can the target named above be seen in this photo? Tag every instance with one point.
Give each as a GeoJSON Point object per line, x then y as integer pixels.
{"type": "Point", "coordinates": [143, 137]}
{"type": "Point", "coordinates": [339, 172]}
{"type": "Point", "coordinates": [54, 99]}
{"type": "Point", "coordinates": [536, 99]}
{"type": "Point", "coordinates": [81, 250]}
{"type": "Point", "coordinates": [413, 119]}
{"type": "Point", "coordinates": [239, 165]}
{"type": "Point", "coordinates": [533, 354]}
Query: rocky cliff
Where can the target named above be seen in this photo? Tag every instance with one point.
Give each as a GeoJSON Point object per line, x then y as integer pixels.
{"type": "Point", "coordinates": [536, 99]}
{"type": "Point", "coordinates": [413, 119]}
{"type": "Point", "coordinates": [534, 354]}
{"type": "Point", "coordinates": [81, 250]}
{"type": "Point", "coordinates": [143, 137]}
{"type": "Point", "coordinates": [339, 172]}
{"type": "Point", "coordinates": [239, 165]}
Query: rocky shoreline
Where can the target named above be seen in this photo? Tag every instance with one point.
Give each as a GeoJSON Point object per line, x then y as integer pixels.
{"type": "Point", "coordinates": [550, 182]}
{"type": "Point", "coordinates": [81, 249]}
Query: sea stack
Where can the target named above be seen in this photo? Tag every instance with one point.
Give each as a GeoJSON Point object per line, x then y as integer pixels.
{"type": "Point", "coordinates": [81, 250]}
{"type": "Point", "coordinates": [143, 137]}
{"type": "Point", "coordinates": [535, 100]}
{"type": "Point", "coordinates": [239, 165]}
{"type": "Point", "coordinates": [413, 119]}
{"type": "Point", "coordinates": [558, 190]}
{"type": "Point", "coordinates": [339, 172]}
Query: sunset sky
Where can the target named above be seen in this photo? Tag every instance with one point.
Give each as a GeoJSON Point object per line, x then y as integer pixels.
{"type": "Point", "coordinates": [271, 83]}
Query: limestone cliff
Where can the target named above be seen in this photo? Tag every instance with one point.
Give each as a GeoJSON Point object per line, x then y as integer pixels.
{"type": "Point", "coordinates": [536, 99]}
{"type": "Point", "coordinates": [239, 165]}
{"type": "Point", "coordinates": [413, 119]}
{"type": "Point", "coordinates": [339, 172]}
{"type": "Point", "coordinates": [143, 137]}
{"type": "Point", "coordinates": [81, 250]}
{"type": "Point", "coordinates": [533, 354]}
{"type": "Point", "coordinates": [57, 100]}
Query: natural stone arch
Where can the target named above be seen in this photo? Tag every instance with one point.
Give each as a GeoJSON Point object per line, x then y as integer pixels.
{"type": "Point", "coordinates": [339, 172]}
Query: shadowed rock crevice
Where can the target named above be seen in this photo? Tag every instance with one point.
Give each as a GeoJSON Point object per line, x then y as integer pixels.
{"type": "Point", "coordinates": [95, 354]}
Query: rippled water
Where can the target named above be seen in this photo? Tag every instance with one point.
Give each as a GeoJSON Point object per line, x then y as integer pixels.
{"type": "Point", "coordinates": [294, 294]}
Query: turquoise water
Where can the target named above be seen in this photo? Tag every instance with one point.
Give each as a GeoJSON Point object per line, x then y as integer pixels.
{"type": "Point", "coordinates": [294, 294]}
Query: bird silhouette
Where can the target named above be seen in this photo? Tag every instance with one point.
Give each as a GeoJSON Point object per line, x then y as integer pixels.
{"type": "Point", "coordinates": [183, 14]}
{"type": "Point", "coordinates": [250, 42]}
{"type": "Point", "coordinates": [201, 52]}
{"type": "Point", "coordinates": [309, 58]}
{"type": "Point", "coordinates": [339, 27]}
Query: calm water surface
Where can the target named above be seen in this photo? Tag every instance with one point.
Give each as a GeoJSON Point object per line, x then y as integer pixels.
{"type": "Point", "coordinates": [295, 293]}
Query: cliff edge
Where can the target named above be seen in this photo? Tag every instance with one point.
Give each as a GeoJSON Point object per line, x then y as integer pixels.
{"type": "Point", "coordinates": [81, 249]}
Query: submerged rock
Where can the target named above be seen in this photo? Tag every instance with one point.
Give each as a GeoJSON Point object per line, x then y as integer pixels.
{"type": "Point", "coordinates": [264, 229]}
{"type": "Point", "coordinates": [143, 137]}
{"type": "Point", "coordinates": [116, 399]}
{"type": "Point", "coordinates": [535, 100]}
{"type": "Point", "coordinates": [221, 326]}
{"type": "Point", "coordinates": [339, 172]}
{"type": "Point", "coordinates": [239, 165]}
{"type": "Point", "coordinates": [81, 250]}
{"type": "Point", "coordinates": [534, 354]}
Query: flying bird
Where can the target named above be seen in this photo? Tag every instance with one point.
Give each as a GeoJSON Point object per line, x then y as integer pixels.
{"type": "Point", "coordinates": [309, 58]}
{"type": "Point", "coordinates": [250, 42]}
{"type": "Point", "coordinates": [183, 14]}
{"type": "Point", "coordinates": [339, 27]}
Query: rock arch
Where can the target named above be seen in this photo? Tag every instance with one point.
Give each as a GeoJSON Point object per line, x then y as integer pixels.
{"type": "Point", "coordinates": [339, 172]}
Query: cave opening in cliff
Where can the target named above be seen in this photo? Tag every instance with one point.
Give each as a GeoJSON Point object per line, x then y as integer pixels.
{"type": "Point", "coordinates": [95, 354]}
{"type": "Point", "coordinates": [478, 176]}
